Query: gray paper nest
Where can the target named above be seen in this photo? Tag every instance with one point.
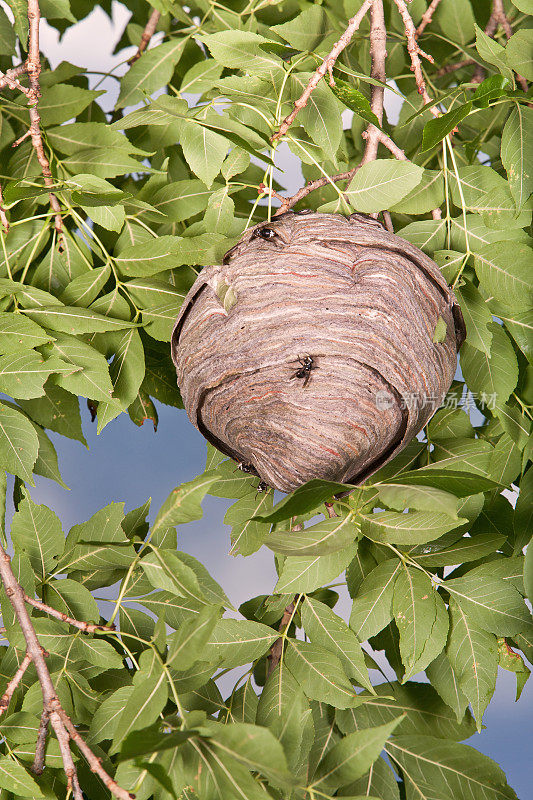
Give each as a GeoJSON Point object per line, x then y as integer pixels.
{"type": "Point", "coordinates": [309, 353]}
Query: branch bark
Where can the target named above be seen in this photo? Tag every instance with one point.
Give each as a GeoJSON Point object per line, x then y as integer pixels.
{"type": "Point", "coordinates": [326, 66]}
{"type": "Point", "coordinates": [147, 34]}
{"type": "Point", "coordinates": [414, 53]}
{"type": "Point", "coordinates": [86, 627]}
{"type": "Point", "coordinates": [34, 71]}
{"type": "Point", "coordinates": [61, 723]}
{"type": "Point", "coordinates": [378, 55]}
{"type": "Point", "coordinates": [3, 216]}
{"type": "Point", "coordinates": [427, 16]}
{"type": "Point", "coordinates": [13, 683]}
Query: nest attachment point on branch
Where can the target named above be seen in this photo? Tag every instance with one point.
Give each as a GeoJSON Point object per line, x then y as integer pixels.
{"type": "Point", "coordinates": [318, 349]}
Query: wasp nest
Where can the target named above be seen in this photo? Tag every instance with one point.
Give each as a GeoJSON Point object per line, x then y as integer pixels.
{"type": "Point", "coordinates": [319, 348]}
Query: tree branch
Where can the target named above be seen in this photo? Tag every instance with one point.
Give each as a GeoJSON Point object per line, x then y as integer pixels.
{"type": "Point", "coordinates": [3, 216]}
{"type": "Point", "coordinates": [498, 17]}
{"type": "Point", "coordinates": [326, 66]}
{"type": "Point", "coordinates": [13, 683]}
{"type": "Point", "coordinates": [427, 16]}
{"type": "Point", "coordinates": [276, 651]}
{"type": "Point", "coordinates": [378, 54]}
{"type": "Point", "coordinates": [38, 762]}
{"type": "Point", "coordinates": [414, 53]}
{"type": "Point", "coordinates": [86, 627]}
{"type": "Point", "coordinates": [147, 34]}
{"type": "Point", "coordinates": [10, 78]}
{"type": "Point", "coordinates": [61, 723]}
{"type": "Point", "coordinates": [34, 71]}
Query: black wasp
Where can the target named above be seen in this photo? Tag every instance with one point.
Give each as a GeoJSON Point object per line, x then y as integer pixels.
{"type": "Point", "coordinates": [264, 233]}
{"type": "Point", "coordinates": [307, 364]}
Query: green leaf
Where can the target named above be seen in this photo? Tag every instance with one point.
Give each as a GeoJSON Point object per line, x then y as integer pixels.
{"type": "Point", "coordinates": [462, 551]}
{"type": "Point", "coordinates": [421, 498]}
{"type": "Point", "coordinates": [17, 332]}
{"type": "Point", "coordinates": [421, 619]}
{"type": "Point", "coordinates": [372, 607]}
{"type": "Point", "coordinates": [493, 53]}
{"type": "Point", "coordinates": [253, 746]}
{"type": "Point", "coordinates": [247, 534]}
{"type": "Point", "coordinates": [104, 722]}
{"type": "Point", "coordinates": [86, 287]}
{"type": "Point", "coordinates": [73, 320]}
{"type": "Point", "coordinates": [187, 644]}
{"type": "Point", "coordinates": [429, 762]}
{"type": "Point", "coordinates": [429, 194]}
{"type": "Point", "coordinates": [477, 317]}
{"type": "Point", "coordinates": [492, 378]}
{"type": "Point", "coordinates": [70, 139]}
{"type": "Point", "coordinates": [528, 570]}
{"type": "Point", "coordinates": [147, 700]}
{"type": "Point", "coordinates": [327, 629]}
{"type": "Point", "coordinates": [517, 152]}
{"type": "Point", "coordinates": [183, 503]}
{"type": "Point", "coordinates": [382, 183]}
{"type": "Point", "coordinates": [328, 536]}
{"type": "Point", "coordinates": [350, 758]}
{"type": "Point", "coordinates": [126, 372]}
{"type": "Point", "coordinates": [320, 117]}
{"type": "Point", "coordinates": [179, 200]}
{"type": "Point", "coordinates": [92, 376]}
{"type": "Point", "coordinates": [204, 150]}
{"type": "Point", "coordinates": [423, 712]}
{"type": "Point", "coordinates": [58, 410]}
{"type": "Point", "coordinates": [97, 652]}
{"type": "Point", "coordinates": [320, 674]}
{"type": "Point", "coordinates": [455, 19]}
{"type": "Point", "coordinates": [23, 374]}
{"type": "Point", "coordinates": [306, 30]}
{"type": "Point", "coordinates": [150, 72]}
{"type": "Point", "coordinates": [18, 443]}
{"type": "Point", "coordinates": [519, 53]}
{"type": "Point", "coordinates": [20, 13]}
{"type": "Point", "coordinates": [353, 99]}
{"type": "Point", "coordinates": [235, 642]}
{"type": "Point", "coordinates": [443, 475]}
{"type": "Point", "coordinates": [241, 50]}
{"type": "Point", "coordinates": [167, 571]}
{"type": "Point", "coordinates": [437, 128]}
{"type": "Point", "coordinates": [109, 217]}
{"type": "Point", "coordinates": [285, 710]}
{"type": "Point", "coordinates": [491, 603]}
{"type": "Point", "coordinates": [444, 680]}
{"type": "Point", "coordinates": [439, 334]}
{"type": "Point", "coordinates": [307, 573]}
{"type": "Point", "coordinates": [513, 662]}
{"type": "Point", "coordinates": [37, 531]}
{"type": "Point", "coordinates": [489, 89]}
{"type": "Point", "coordinates": [14, 778]}
{"type": "Point", "coordinates": [416, 527]}
{"type": "Point", "coordinates": [63, 101]}
{"type": "Point", "coordinates": [304, 499]}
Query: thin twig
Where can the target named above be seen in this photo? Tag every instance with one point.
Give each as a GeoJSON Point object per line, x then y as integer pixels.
{"type": "Point", "coordinates": [378, 54]}
{"type": "Point", "coordinates": [330, 510]}
{"type": "Point", "coordinates": [40, 749]}
{"type": "Point", "coordinates": [34, 71]}
{"type": "Point", "coordinates": [326, 66]}
{"type": "Point", "coordinates": [62, 725]}
{"type": "Point", "coordinates": [147, 34]}
{"type": "Point", "coordinates": [3, 216]}
{"type": "Point", "coordinates": [14, 682]}
{"type": "Point", "coordinates": [10, 78]}
{"type": "Point", "coordinates": [427, 16]}
{"type": "Point", "coordinates": [466, 62]}
{"type": "Point", "coordinates": [414, 53]}
{"type": "Point", "coordinates": [86, 627]}
{"type": "Point", "coordinates": [498, 17]}
{"type": "Point", "coordinates": [276, 651]}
